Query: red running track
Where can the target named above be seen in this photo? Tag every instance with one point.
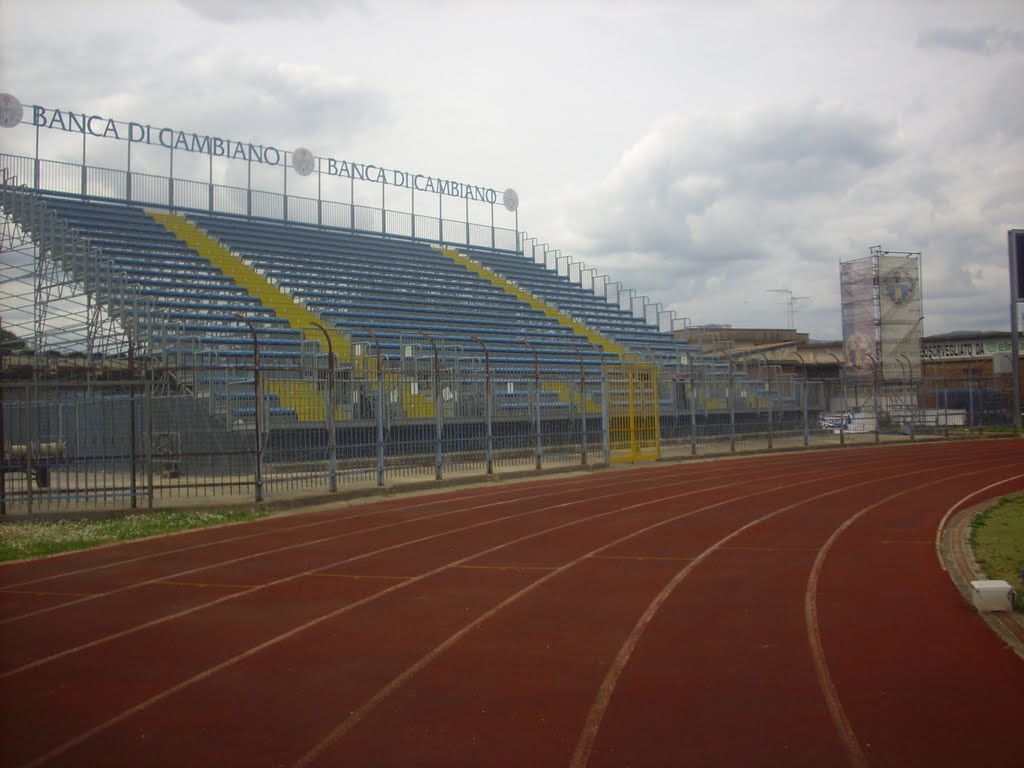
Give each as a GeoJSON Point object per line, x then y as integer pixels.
{"type": "Point", "coordinates": [784, 610]}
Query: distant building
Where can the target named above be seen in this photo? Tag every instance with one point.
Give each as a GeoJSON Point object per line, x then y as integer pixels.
{"type": "Point", "coordinates": [952, 355]}
{"type": "Point", "coordinates": [978, 353]}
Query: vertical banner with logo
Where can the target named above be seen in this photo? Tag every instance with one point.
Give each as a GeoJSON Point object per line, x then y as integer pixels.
{"type": "Point", "coordinates": [1017, 263]}
{"type": "Point", "coordinates": [1016, 247]}
{"type": "Point", "coordinates": [900, 316]}
{"type": "Point", "coordinates": [857, 292]}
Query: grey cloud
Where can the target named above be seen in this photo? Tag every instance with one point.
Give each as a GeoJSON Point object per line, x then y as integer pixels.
{"type": "Point", "coordinates": [694, 191]}
{"type": "Point", "coordinates": [814, 135]}
{"type": "Point", "coordinates": [985, 41]}
{"type": "Point", "coordinates": [233, 11]}
{"type": "Point", "coordinates": [282, 101]}
{"type": "Point", "coordinates": [1001, 111]}
{"type": "Point", "coordinates": [729, 208]}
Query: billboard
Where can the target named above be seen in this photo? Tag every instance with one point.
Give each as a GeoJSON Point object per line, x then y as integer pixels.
{"type": "Point", "coordinates": [857, 293]}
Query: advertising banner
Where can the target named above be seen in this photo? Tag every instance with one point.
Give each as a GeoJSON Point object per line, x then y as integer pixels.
{"type": "Point", "coordinates": [900, 316]}
{"type": "Point", "coordinates": [857, 292]}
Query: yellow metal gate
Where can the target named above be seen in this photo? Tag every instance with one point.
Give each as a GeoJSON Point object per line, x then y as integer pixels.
{"type": "Point", "coordinates": [633, 412]}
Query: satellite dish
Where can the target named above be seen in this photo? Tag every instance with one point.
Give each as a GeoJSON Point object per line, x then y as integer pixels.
{"type": "Point", "coordinates": [510, 199]}
{"type": "Point", "coordinates": [303, 161]}
{"type": "Point", "coordinates": [11, 111]}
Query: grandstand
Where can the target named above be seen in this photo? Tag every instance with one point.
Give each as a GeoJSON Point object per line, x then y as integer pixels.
{"type": "Point", "coordinates": [200, 275]}
{"type": "Point", "coordinates": [396, 288]}
{"type": "Point", "coordinates": [334, 332]}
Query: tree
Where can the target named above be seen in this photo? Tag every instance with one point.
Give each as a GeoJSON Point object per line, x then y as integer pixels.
{"type": "Point", "coordinates": [11, 344]}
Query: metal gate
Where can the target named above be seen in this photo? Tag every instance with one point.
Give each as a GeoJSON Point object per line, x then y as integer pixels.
{"type": "Point", "coordinates": [633, 413]}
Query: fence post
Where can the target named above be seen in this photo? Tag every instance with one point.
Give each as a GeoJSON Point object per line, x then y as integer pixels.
{"type": "Point", "coordinates": [945, 407]}
{"type": "Point", "coordinates": [606, 448]}
{"type": "Point", "coordinates": [147, 417]}
{"type": "Point", "coordinates": [438, 414]}
{"type": "Point", "coordinates": [131, 420]}
{"type": "Point", "coordinates": [258, 392]}
{"type": "Point", "coordinates": [878, 401]}
{"type": "Point", "coordinates": [381, 414]}
{"type": "Point", "coordinates": [539, 451]}
{"type": "Point", "coordinates": [807, 430]}
{"type": "Point", "coordinates": [828, 399]}
{"type": "Point", "coordinates": [732, 408]}
{"type": "Point", "coordinates": [538, 442]}
{"type": "Point", "coordinates": [583, 411]}
{"type": "Point", "coordinates": [803, 396]}
{"type": "Point", "coordinates": [488, 403]}
{"type": "Point", "coordinates": [3, 448]}
{"type": "Point", "coordinates": [332, 437]}
{"type": "Point", "coordinates": [26, 420]}
{"type": "Point", "coordinates": [693, 412]}
{"type": "Point", "coordinates": [913, 409]}
{"type": "Point", "coordinates": [379, 411]}
{"type": "Point", "coordinates": [970, 402]}
{"type": "Point", "coordinates": [768, 366]}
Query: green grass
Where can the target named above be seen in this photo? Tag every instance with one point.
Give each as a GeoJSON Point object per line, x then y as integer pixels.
{"type": "Point", "coordinates": [997, 537]}
{"type": "Point", "coordinates": [32, 539]}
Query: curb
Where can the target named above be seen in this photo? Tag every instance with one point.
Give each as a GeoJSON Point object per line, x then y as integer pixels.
{"type": "Point", "coordinates": [959, 562]}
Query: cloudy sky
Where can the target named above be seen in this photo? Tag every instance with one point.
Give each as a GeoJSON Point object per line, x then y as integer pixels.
{"type": "Point", "coordinates": [704, 153]}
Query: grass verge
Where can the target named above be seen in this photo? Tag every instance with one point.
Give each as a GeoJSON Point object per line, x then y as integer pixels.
{"type": "Point", "coordinates": [32, 539]}
{"type": "Point", "coordinates": [997, 538]}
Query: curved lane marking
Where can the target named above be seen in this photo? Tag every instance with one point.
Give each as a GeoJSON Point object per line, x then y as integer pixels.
{"type": "Point", "coordinates": [230, 540]}
{"type": "Point", "coordinates": [312, 571]}
{"type": "Point", "coordinates": [956, 508]}
{"type": "Point", "coordinates": [592, 724]}
{"type": "Point", "coordinates": [276, 550]}
{"type": "Point", "coordinates": [356, 716]}
{"type": "Point", "coordinates": [210, 671]}
{"type": "Point", "coordinates": [828, 689]}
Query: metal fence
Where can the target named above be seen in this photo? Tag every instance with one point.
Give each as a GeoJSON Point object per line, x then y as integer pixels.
{"type": "Point", "coordinates": [146, 434]}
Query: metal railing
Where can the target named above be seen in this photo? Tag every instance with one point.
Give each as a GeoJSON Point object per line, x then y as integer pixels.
{"type": "Point", "coordinates": [142, 434]}
{"type": "Point", "coordinates": [187, 194]}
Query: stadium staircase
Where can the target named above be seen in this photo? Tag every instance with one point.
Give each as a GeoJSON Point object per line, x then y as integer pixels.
{"type": "Point", "coordinates": [298, 394]}
{"type": "Point", "coordinates": [525, 296]}
{"type": "Point", "coordinates": [641, 340]}
{"type": "Point", "coordinates": [561, 388]}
